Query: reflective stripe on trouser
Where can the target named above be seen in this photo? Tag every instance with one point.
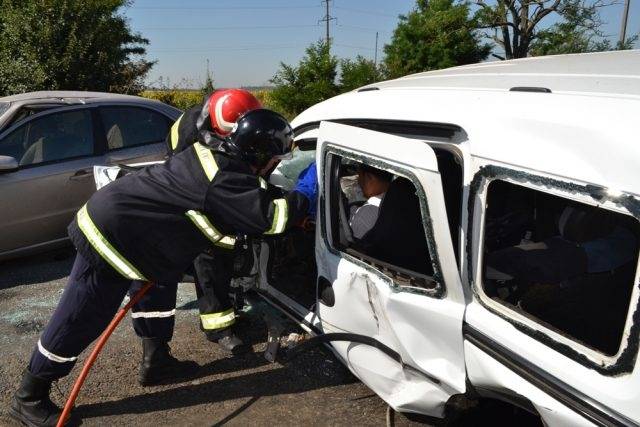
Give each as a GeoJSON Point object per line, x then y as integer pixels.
{"type": "Point", "coordinates": [215, 321]}
{"type": "Point", "coordinates": [104, 248]}
{"type": "Point", "coordinates": [213, 279]}
{"type": "Point", "coordinates": [280, 216]}
{"type": "Point", "coordinates": [88, 303]}
{"type": "Point", "coordinates": [212, 233]}
{"type": "Point", "coordinates": [154, 315]}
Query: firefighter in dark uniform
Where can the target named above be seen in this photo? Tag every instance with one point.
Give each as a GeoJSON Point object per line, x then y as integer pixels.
{"type": "Point", "coordinates": [149, 226]}
{"type": "Point", "coordinates": [212, 122]}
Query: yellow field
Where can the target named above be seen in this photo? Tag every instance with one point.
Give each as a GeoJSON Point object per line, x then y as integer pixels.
{"type": "Point", "coordinates": [184, 99]}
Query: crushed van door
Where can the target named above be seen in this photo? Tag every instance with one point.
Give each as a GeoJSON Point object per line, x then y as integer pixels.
{"type": "Point", "coordinates": [423, 324]}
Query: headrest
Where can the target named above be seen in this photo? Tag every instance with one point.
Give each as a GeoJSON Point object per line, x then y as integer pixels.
{"type": "Point", "coordinates": [585, 223]}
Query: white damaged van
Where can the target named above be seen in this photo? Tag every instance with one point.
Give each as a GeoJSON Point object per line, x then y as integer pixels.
{"type": "Point", "coordinates": [503, 262]}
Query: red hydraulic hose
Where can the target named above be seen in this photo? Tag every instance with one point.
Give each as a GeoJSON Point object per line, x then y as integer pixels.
{"type": "Point", "coordinates": [96, 351]}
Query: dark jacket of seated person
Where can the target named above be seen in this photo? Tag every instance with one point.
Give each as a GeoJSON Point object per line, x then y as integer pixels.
{"type": "Point", "coordinates": [398, 236]}
{"type": "Point", "coordinates": [374, 184]}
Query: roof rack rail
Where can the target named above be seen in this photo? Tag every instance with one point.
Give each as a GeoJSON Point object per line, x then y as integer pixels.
{"type": "Point", "coordinates": [367, 89]}
{"type": "Point", "coordinates": [530, 89]}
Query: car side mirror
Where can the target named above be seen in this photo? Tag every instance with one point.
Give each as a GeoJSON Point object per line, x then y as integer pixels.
{"type": "Point", "coordinates": [8, 164]}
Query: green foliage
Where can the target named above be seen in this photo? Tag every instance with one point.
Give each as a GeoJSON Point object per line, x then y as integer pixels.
{"type": "Point", "coordinates": [313, 80]}
{"type": "Point", "coordinates": [179, 98]}
{"type": "Point", "coordinates": [357, 73]}
{"type": "Point", "coordinates": [185, 99]}
{"type": "Point", "coordinates": [436, 34]}
{"type": "Point", "coordinates": [69, 44]}
{"type": "Point", "coordinates": [577, 32]}
{"type": "Point", "coordinates": [208, 87]}
{"type": "Point", "coordinates": [265, 96]}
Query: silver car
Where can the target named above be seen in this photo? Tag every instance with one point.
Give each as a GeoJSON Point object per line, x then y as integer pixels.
{"type": "Point", "coordinates": [49, 143]}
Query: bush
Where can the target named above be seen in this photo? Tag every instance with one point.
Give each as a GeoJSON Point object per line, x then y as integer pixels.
{"type": "Point", "coordinates": [179, 98]}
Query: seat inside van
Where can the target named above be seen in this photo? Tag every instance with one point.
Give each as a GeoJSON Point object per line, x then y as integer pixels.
{"type": "Point", "coordinates": [567, 265]}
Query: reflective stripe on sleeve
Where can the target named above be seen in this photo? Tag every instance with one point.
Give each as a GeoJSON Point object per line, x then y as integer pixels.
{"type": "Point", "coordinates": [206, 159]}
{"type": "Point", "coordinates": [280, 215]}
{"type": "Point", "coordinates": [54, 357]}
{"type": "Point", "coordinates": [218, 320]}
{"type": "Point", "coordinates": [217, 238]}
{"type": "Point", "coordinates": [174, 133]}
{"type": "Point", "coordinates": [104, 248]}
{"type": "Point", "coordinates": [152, 314]}
{"type": "Point", "coordinates": [263, 183]}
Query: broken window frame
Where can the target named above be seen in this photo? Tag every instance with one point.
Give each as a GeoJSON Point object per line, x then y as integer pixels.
{"type": "Point", "coordinates": [401, 279]}
{"type": "Point", "coordinates": [624, 360]}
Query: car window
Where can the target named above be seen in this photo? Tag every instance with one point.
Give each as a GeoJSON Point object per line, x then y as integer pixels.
{"type": "Point", "coordinates": [378, 219]}
{"type": "Point", "coordinates": [13, 144]}
{"type": "Point", "coordinates": [291, 168]}
{"type": "Point", "coordinates": [130, 126]}
{"type": "Point", "coordinates": [4, 106]}
{"type": "Point", "coordinates": [53, 137]}
{"type": "Point", "coordinates": [546, 256]}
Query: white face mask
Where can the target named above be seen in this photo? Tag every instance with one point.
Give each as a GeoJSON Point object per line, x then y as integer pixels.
{"type": "Point", "coordinates": [351, 189]}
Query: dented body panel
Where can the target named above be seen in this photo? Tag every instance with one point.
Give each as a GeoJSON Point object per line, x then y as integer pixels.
{"type": "Point", "coordinates": [574, 140]}
{"type": "Point", "coordinates": [368, 303]}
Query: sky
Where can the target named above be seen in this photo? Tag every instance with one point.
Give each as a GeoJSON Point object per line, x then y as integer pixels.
{"type": "Point", "coordinates": [245, 40]}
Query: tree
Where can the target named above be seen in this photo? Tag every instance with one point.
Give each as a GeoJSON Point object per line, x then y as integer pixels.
{"type": "Point", "coordinates": [516, 26]}
{"type": "Point", "coordinates": [578, 32]}
{"type": "Point", "coordinates": [208, 87]}
{"type": "Point", "coordinates": [313, 80]}
{"type": "Point", "coordinates": [69, 44]}
{"type": "Point", "coordinates": [436, 34]}
{"type": "Point", "coordinates": [357, 73]}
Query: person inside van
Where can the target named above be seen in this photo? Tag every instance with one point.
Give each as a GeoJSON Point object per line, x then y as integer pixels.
{"type": "Point", "coordinates": [374, 184]}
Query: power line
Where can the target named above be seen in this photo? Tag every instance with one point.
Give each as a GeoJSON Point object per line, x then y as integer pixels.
{"type": "Point", "coordinates": [364, 29]}
{"type": "Point", "coordinates": [223, 8]}
{"type": "Point", "coordinates": [353, 47]}
{"type": "Point", "coordinates": [240, 27]}
{"type": "Point", "coordinates": [226, 48]}
{"type": "Point", "coordinates": [365, 11]}
{"type": "Point", "coordinates": [623, 26]}
{"type": "Point", "coordinates": [327, 18]}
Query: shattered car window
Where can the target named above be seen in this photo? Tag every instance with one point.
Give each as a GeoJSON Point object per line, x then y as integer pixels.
{"type": "Point", "coordinates": [287, 172]}
{"type": "Point", "coordinates": [568, 265]}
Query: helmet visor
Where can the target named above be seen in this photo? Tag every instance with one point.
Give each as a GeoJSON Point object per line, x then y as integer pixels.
{"type": "Point", "coordinates": [288, 155]}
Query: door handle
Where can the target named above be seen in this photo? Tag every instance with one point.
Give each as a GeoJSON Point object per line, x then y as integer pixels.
{"type": "Point", "coordinates": [81, 174]}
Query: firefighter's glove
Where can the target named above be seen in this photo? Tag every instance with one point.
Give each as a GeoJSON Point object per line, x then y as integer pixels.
{"type": "Point", "coordinates": [308, 186]}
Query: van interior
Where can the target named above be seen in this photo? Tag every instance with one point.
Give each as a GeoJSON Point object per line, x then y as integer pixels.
{"type": "Point", "coordinates": [568, 266]}
{"type": "Point", "coordinates": [396, 244]}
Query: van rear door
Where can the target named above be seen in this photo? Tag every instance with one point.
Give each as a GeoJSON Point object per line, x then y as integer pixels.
{"type": "Point", "coordinates": [417, 316]}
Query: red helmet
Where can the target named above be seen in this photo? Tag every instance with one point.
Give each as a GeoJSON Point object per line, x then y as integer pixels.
{"type": "Point", "coordinates": [226, 106]}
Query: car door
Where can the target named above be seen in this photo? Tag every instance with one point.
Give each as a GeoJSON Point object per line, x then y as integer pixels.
{"type": "Point", "coordinates": [55, 151]}
{"type": "Point", "coordinates": [419, 317]}
{"type": "Point", "coordinates": [133, 134]}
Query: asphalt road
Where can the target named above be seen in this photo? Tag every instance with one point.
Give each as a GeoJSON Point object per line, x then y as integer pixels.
{"type": "Point", "coordinates": [313, 389]}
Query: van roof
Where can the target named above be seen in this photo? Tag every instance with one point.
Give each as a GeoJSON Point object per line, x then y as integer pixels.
{"type": "Point", "coordinates": [611, 73]}
{"type": "Point", "coordinates": [584, 130]}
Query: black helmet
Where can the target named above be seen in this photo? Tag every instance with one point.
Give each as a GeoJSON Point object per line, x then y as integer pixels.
{"type": "Point", "coordinates": [259, 136]}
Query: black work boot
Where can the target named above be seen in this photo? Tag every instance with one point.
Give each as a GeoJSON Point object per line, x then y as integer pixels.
{"type": "Point", "coordinates": [228, 341]}
{"type": "Point", "coordinates": [159, 365]}
{"type": "Point", "coordinates": [31, 404]}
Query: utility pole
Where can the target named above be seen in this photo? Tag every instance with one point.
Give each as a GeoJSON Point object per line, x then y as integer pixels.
{"type": "Point", "coordinates": [623, 28]}
{"type": "Point", "coordinates": [327, 18]}
{"type": "Point", "coordinates": [375, 56]}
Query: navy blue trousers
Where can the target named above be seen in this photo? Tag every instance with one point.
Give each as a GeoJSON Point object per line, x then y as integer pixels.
{"type": "Point", "coordinates": [88, 303]}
